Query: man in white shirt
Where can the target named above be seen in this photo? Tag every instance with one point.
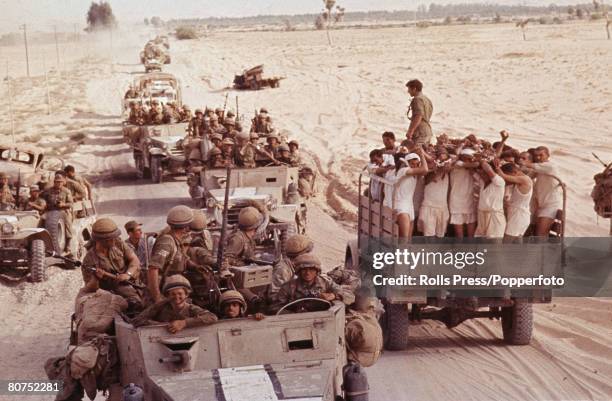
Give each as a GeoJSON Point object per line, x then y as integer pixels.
{"type": "Point", "coordinates": [462, 204]}
{"type": "Point", "coordinates": [379, 164]}
{"type": "Point", "coordinates": [547, 191]}
{"type": "Point", "coordinates": [491, 218]}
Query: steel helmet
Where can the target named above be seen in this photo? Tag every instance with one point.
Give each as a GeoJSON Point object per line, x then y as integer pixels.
{"type": "Point", "coordinates": [176, 281]}
{"type": "Point", "coordinates": [105, 228]}
{"type": "Point", "coordinates": [249, 218]}
{"type": "Point", "coordinates": [199, 222]}
{"type": "Point", "coordinates": [243, 136]}
{"type": "Point", "coordinates": [232, 296]}
{"type": "Point", "coordinates": [297, 245]}
{"type": "Point", "coordinates": [214, 152]}
{"type": "Point", "coordinates": [283, 148]}
{"type": "Point", "coordinates": [179, 216]}
{"type": "Point", "coordinates": [307, 260]}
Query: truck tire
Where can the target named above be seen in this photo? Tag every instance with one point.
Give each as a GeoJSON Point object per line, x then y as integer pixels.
{"type": "Point", "coordinates": [55, 226]}
{"type": "Point", "coordinates": [156, 169]}
{"type": "Point", "coordinates": [38, 267]}
{"type": "Point", "coordinates": [517, 323]}
{"type": "Point", "coordinates": [397, 322]}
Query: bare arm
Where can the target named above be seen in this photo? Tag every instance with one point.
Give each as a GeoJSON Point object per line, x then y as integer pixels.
{"type": "Point", "coordinates": [500, 148]}
{"type": "Point", "coordinates": [422, 169]}
{"type": "Point", "coordinates": [487, 169]}
{"type": "Point", "coordinates": [414, 124]}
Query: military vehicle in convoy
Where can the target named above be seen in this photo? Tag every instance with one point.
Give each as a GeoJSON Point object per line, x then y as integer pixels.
{"type": "Point", "coordinates": [273, 186]}
{"type": "Point", "coordinates": [160, 86]}
{"type": "Point", "coordinates": [27, 165]}
{"type": "Point", "coordinates": [297, 356]}
{"type": "Point", "coordinates": [378, 231]}
{"type": "Point", "coordinates": [253, 79]}
{"type": "Point", "coordinates": [156, 49]}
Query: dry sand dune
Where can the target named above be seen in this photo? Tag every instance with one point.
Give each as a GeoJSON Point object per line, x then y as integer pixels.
{"type": "Point", "coordinates": [553, 89]}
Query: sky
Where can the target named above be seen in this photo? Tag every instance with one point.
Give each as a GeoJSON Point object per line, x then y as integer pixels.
{"type": "Point", "coordinates": [45, 13]}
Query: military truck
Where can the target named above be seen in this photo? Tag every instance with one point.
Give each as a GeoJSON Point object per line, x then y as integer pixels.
{"type": "Point", "coordinates": [296, 356]}
{"type": "Point", "coordinates": [377, 229]}
{"type": "Point", "coordinates": [253, 79]}
{"type": "Point", "coordinates": [27, 164]}
{"type": "Point", "coordinates": [24, 245]}
{"type": "Point", "coordinates": [157, 149]}
{"type": "Point", "coordinates": [274, 186]}
{"type": "Point", "coordinates": [153, 65]}
{"type": "Point", "coordinates": [160, 86]}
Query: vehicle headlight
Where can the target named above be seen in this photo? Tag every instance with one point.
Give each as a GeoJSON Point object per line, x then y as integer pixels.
{"type": "Point", "coordinates": [8, 228]}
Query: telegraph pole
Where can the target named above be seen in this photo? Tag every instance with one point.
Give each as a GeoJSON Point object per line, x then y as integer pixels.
{"type": "Point", "coordinates": [25, 40]}
{"type": "Point", "coordinates": [56, 47]}
{"type": "Point", "coordinates": [10, 96]}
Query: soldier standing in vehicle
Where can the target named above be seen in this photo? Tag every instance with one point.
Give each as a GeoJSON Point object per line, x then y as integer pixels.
{"type": "Point", "coordinates": [138, 242]}
{"type": "Point", "coordinates": [167, 257]}
{"type": "Point", "coordinates": [201, 245]}
{"type": "Point", "coordinates": [233, 306]}
{"type": "Point", "coordinates": [77, 190]}
{"type": "Point", "coordinates": [196, 125]}
{"type": "Point", "coordinates": [310, 284]}
{"type": "Point", "coordinates": [175, 308]}
{"type": "Point", "coordinates": [215, 158]}
{"type": "Point", "coordinates": [284, 271]}
{"type": "Point", "coordinates": [7, 200]}
{"type": "Point", "coordinates": [156, 114]}
{"type": "Point", "coordinates": [60, 198]}
{"type": "Point", "coordinates": [294, 152]}
{"type": "Point", "coordinates": [245, 151]}
{"type": "Point", "coordinates": [108, 257]}
{"type": "Point", "coordinates": [71, 175]}
{"type": "Point", "coordinates": [137, 115]}
{"type": "Point", "coordinates": [240, 248]}
{"type": "Point", "coordinates": [419, 130]}
{"type": "Point", "coordinates": [35, 202]}
{"type": "Point", "coordinates": [227, 152]}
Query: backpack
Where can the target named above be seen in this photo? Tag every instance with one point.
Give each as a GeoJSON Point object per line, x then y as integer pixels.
{"type": "Point", "coordinates": [95, 313]}
{"type": "Point", "coordinates": [364, 338]}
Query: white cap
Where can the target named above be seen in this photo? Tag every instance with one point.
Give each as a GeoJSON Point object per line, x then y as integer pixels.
{"type": "Point", "coordinates": [411, 156]}
{"type": "Point", "coordinates": [468, 152]}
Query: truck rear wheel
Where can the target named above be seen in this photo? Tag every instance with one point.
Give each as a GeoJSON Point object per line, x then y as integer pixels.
{"type": "Point", "coordinates": [55, 226]}
{"type": "Point", "coordinates": [397, 322]}
{"type": "Point", "coordinates": [38, 268]}
{"type": "Point", "coordinates": [517, 323]}
{"type": "Point", "coordinates": [156, 170]}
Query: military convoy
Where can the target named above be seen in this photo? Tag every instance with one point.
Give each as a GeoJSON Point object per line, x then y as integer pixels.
{"type": "Point", "coordinates": [155, 54]}
{"type": "Point", "coordinates": [160, 86]}
{"type": "Point", "coordinates": [252, 79]}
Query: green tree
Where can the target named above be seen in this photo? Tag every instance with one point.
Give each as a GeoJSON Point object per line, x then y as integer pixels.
{"type": "Point", "coordinates": [100, 16]}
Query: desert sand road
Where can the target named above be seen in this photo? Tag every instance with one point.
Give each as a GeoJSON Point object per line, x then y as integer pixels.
{"type": "Point", "coordinates": [569, 356]}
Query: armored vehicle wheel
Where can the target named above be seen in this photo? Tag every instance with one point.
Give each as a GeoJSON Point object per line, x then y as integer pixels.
{"type": "Point", "coordinates": [156, 170]}
{"type": "Point", "coordinates": [55, 226]}
{"type": "Point", "coordinates": [517, 323]}
{"type": "Point", "coordinates": [38, 268]}
{"type": "Point", "coordinates": [396, 323]}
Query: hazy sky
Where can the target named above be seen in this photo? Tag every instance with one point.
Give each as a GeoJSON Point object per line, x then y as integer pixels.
{"type": "Point", "coordinates": [43, 13]}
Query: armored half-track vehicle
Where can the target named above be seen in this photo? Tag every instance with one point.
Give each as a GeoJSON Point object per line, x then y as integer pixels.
{"type": "Point", "coordinates": [274, 186]}
{"type": "Point", "coordinates": [295, 356]}
{"type": "Point", "coordinates": [157, 149]}
{"type": "Point", "coordinates": [378, 231]}
{"type": "Point", "coordinates": [27, 164]}
{"type": "Point", "coordinates": [160, 86]}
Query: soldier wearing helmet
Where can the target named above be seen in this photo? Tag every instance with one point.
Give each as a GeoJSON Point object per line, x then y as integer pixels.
{"type": "Point", "coordinates": [246, 151]}
{"type": "Point", "coordinates": [220, 114]}
{"type": "Point", "coordinates": [7, 200]}
{"type": "Point", "coordinates": [227, 152]}
{"type": "Point", "coordinates": [196, 126]}
{"type": "Point", "coordinates": [233, 306]}
{"type": "Point", "coordinates": [185, 114]}
{"type": "Point", "coordinates": [294, 151]}
{"type": "Point", "coordinates": [110, 264]}
{"type": "Point", "coordinates": [175, 309]}
{"type": "Point", "coordinates": [215, 158]}
{"type": "Point", "coordinates": [168, 256]}
{"type": "Point", "coordinates": [35, 201]}
{"type": "Point", "coordinates": [60, 198]}
{"type": "Point", "coordinates": [262, 123]}
{"type": "Point", "coordinates": [272, 147]}
{"type": "Point", "coordinates": [284, 271]}
{"type": "Point", "coordinates": [201, 246]}
{"type": "Point", "coordinates": [156, 113]}
{"type": "Point", "coordinates": [309, 283]}
{"type": "Point", "coordinates": [137, 115]}
{"type": "Point", "coordinates": [215, 125]}
{"type": "Point", "coordinates": [284, 154]}
{"type": "Point", "coordinates": [240, 248]}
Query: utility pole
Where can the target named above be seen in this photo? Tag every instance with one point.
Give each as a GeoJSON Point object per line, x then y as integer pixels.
{"type": "Point", "coordinates": [47, 84]}
{"type": "Point", "coordinates": [25, 40]}
{"type": "Point", "coordinates": [10, 96]}
{"type": "Point", "coordinates": [56, 47]}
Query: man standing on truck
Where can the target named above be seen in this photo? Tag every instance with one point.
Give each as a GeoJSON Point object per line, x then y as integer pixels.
{"type": "Point", "coordinates": [71, 175]}
{"type": "Point", "coordinates": [419, 130]}
{"type": "Point", "coordinates": [60, 198]}
{"type": "Point", "coordinates": [491, 218]}
{"type": "Point", "coordinates": [546, 190]}
{"type": "Point", "coordinates": [35, 202]}
{"type": "Point", "coordinates": [7, 200]}
{"type": "Point", "coordinates": [196, 125]}
{"type": "Point", "coordinates": [137, 115]}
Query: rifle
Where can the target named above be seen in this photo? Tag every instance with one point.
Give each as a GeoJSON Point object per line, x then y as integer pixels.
{"type": "Point", "coordinates": [114, 277]}
{"type": "Point", "coordinates": [237, 110]}
{"type": "Point", "coordinates": [601, 161]}
{"type": "Point", "coordinates": [224, 223]}
{"type": "Point", "coordinates": [17, 195]}
{"type": "Point", "coordinates": [225, 103]}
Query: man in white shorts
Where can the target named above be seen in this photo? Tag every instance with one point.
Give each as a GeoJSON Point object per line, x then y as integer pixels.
{"type": "Point", "coordinates": [400, 196]}
{"type": "Point", "coordinates": [462, 204]}
{"type": "Point", "coordinates": [434, 215]}
{"type": "Point", "coordinates": [491, 218]}
{"type": "Point", "coordinates": [547, 191]}
{"type": "Point", "coordinates": [517, 208]}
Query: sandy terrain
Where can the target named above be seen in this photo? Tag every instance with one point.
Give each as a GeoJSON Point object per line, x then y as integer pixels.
{"type": "Point", "coordinates": [553, 89]}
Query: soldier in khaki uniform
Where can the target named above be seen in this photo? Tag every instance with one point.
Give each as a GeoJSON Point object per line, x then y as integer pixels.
{"type": "Point", "coordinates": [7, 200]}
{"type": "Point", "coordinates": [216, 127]}
{"type": "Point", "coordinates": [167, 256]}
{"type": "Point", "coordinates": [137, 115]}
{"type": "Point", "coordinates": [112, 256]}
{"type": "Point", "coordinates": [60, 198]}
{"type": "Point", "coordinates": [175, 309]}
{"type": "Point", "coordinates": [284, 155]}
{"type": "Point", "coordinates": [294, 151]}
{"type": "Point", "coordinates": [422, 108]}
{"type": "Point", "coordinates": [35, 202]}
{"type": "Point", "coordinates": [76, 190]}
{"type": "Point", "coordinates": [196, 124]}
{"type": "Point", "coordinates": [156, 114]}
{"type": "Point", "coordinates": [84, 182]}
{"type": "Point", "coordinates": [246, 151]}
{"type": "Point", "coordinates": [185, 114]}
{"type": "Point", "coordinates": [201, 245]}
{"type": "Point", "coordinates": [310, 284]}
{"type": "Point", "coordinates": [233, 306]}
{"type": "Point", "coordinates": [227, 152]}
{"type": "Point", "coordinates": [272, 146]}
{"type": "Point", "coordinates": [215, 159]}
{"type": "Point", "coordinates": [284, 271]}
{"type": "Point", "coordinates": [240, 248]}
